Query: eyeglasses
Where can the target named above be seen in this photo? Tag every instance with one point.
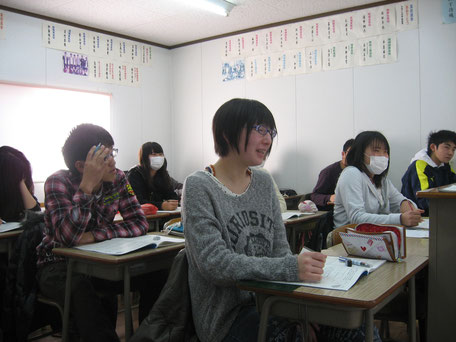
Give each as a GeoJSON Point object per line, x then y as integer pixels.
{"type": "Point", "coordinates": [263, 130]}
{"type": "Point", "coordinates": [113, 153]}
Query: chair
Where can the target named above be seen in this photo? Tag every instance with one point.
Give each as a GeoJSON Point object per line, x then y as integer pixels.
{"type": "Point", "coordinates": [324, 226]}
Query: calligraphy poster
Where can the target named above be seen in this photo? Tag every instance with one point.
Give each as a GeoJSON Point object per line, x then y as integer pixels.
{"type": "Point", "coordinates": [252, 68]}
{"type": "Point", "coordinates": [313, 59]}
{"type": "Point", "coordinates": [294, 62]}
{"type": "Point", "coordinates": [448, 11]}
{"type": "Point", "coordinates": [2, 25]}
{"type": "Point", "coordinates": [338, 56]}
{"type": "Point", "coordinates": [252, 44]}
{"type": "Point", "coordinates": [407, 15]}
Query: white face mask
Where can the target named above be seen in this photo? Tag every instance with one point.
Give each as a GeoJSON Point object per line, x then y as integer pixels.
{"type": "Point", "coordinates": [156, 162]}
{"type": "Point", "coordinates": [378, 164]}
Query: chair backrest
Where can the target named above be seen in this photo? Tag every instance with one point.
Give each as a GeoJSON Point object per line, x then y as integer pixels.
{"type": "Point", "coordinates": [325, 224]}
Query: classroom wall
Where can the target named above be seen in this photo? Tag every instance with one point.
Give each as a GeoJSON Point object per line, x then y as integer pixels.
{"type": "Point", "coordinates": [138, 114]}
{"type": "Point", "coordinates": [316, 113]}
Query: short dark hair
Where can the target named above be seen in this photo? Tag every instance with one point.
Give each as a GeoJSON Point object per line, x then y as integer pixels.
{"type": "Point", "coordinates": [348, 144]}
{"type": "Point", "coordinates": [232, 117]}
{"type": "Point", "coordinates": [440, 137]}
{"type": "Point", "coordinates": [363, 140]}
{"type": "Point", "coordinates": [14, 167]}
{"type": "Point", "coordinates": [80, 141]}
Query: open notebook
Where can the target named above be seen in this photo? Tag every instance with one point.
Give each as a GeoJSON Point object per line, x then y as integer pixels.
{"type": "Point", "coordinates": [119, 246]}
{"type": "Point", "coordinates": [338, 276]}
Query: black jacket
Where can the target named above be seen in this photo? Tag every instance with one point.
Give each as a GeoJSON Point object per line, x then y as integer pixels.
{"type": "Point", "coordinates": [146, 193]}
{"type": "Point", "coordinates": [170, 319]}
{"type": "Point", "coordinates": [21, 286]}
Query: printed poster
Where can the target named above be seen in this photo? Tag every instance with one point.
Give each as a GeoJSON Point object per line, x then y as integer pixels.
{"type": "Point", "coordinates": [75, 64]}
{"type": "Point", "coordinates": [448, 12]}
{"type": "Point", "coordinates": [234, 70]}
{"type": "Point", "coordinates": [407, 15]}
{"type": "Point", "coordinates": [313, 59]}
{"type": "Point", "coordinates": [338, 56]}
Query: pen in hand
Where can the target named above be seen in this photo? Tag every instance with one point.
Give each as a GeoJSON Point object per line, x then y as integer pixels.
{"type": "Point", "coordinates": [350, 262]}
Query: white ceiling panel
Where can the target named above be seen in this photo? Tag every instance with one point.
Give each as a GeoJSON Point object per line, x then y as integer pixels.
{"type": "Point", "coordinates": [173, 22]}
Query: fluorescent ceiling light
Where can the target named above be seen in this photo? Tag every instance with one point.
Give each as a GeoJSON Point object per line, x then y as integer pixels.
{"type": "Point", "coordinates": [220, 7]}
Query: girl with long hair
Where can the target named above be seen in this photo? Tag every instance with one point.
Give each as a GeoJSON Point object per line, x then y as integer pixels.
{"type": "Point", "coordinates": [16, 185]}
{"type": "Point", "coordinates": [151, 181]}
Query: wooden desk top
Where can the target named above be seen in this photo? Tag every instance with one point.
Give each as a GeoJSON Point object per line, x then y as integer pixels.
{"type": "Point", "coordinates": [304, 218]}
{"type": "Point", "coordinates": [367, 292]}
{"type": "Point", "coordinates": [116, 259]}
{"type": "Point", "coordinates": [158, 215]}
{"type": "Point", "coordinates": [436, 193]}
{"type": "Point", "coordinates": [11, 234]}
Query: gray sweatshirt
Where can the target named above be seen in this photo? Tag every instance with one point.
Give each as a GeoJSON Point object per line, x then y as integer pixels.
{"type": "Point", "coordinates": [231, 237]}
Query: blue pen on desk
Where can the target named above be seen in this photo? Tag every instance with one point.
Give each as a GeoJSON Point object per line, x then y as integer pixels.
{"type": "Point", "coordinates": [350, 262]}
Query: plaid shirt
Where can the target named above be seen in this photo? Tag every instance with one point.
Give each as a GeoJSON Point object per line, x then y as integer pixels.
{"type": "Point", "coordinates": [70, 213]}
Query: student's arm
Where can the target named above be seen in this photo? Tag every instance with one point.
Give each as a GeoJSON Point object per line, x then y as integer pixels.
{"type": "Point", "coordinates": [351, 192]}
{"type": "Point", "coordinates": [134, 222]}
{"type": "Point", "coordinates": [29, 201]}
{"type": "Point", "coordinates": [209, 252]}
{"type": "Point", "coordinates": [69, 214]}
{"type": "Point", "coordinates": [322, 192]}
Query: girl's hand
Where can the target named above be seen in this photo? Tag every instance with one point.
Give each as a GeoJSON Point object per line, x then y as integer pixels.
{"type": "Point", "coordinates": [170, 204]}
{"type": "Point", "coordinates": [411, 218]}
{"type": "Point", "coordinates": [310, 266]}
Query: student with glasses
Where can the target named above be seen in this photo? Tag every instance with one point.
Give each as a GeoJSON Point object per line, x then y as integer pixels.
{"type": "Point", "coordinates": [234, 228]}
{"type": "Point", "coordinates": [81, 203]}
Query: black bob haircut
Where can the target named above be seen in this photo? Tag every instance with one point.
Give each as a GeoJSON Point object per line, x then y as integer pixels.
{"type": "Point", "coordinates": [363, 140]}
{"type": "Point", "coordinates": [440, 137]}
{"type": "Point", "coordinates": [232, 117]}
{"type": "Point", "coordinates": [81, 140]}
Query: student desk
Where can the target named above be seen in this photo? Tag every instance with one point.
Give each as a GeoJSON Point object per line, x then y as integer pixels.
{"type": "Point", "coordinates": [298, 225]}
{"type": "Point", "coordinates": [7, 240]}
{"type": "Point", "coordinates": [154, 220]}
{"type": "Point", "coordinates": [114, 268]}
{"type": "Point", "coordinates": [344, 309]}
{"type": "Point", "coordinates": [442, 264]}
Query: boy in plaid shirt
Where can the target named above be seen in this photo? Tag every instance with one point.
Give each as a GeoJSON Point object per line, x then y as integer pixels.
{"type": "Point", "coordinates": [80, 207]}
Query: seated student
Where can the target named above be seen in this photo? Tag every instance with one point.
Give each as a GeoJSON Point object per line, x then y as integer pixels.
{"type": "Point", "coordinates": [234, 230]}
{"type": "Point", "coordinates": [80, 207]}
{"type": "Point", "coordinates": [324, 191]}
{"type": "Point", "coordinates": [16, 184]}
{"type": "Point", "coordinates": [430, 168]}
{"type": "Point", "coordinates": [364, 194]}
{"type": "Point", "coordinates": [151, 181]}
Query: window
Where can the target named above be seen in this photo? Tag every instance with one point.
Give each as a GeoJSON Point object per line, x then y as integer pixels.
{"type": "Point", "coordinates": [37, 120]}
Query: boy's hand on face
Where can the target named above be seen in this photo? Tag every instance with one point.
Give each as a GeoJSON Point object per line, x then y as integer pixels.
{"type": "Point", "coordinates": [94, 168]}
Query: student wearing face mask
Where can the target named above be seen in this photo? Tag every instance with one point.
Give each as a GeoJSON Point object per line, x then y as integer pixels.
{"type": "Point", "coordinates": [151, 181]}
{"type": "Point", "coordinates": [364, 194]}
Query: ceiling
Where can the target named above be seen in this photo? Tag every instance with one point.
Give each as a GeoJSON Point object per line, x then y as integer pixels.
{"type": "Point", "coordinates": [176, 22]}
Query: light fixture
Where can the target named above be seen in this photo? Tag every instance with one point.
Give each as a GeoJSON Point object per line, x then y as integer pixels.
{"type": "Point", "coordinates": [220, 7]}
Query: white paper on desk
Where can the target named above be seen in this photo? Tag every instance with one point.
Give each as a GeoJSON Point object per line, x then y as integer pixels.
{"type": "Point", "coordinates": [6, 227]}
{"type": "Point", "coordinates": [177, 210]}
{"type": "Point", "coordinates": [338, 276]}
{"type": "Point", "coordinates": [423, 225]}
{"type": "Point", "coordinates": [418, 233]}
{"type": "Point", "coordinates": [451, 188]}
{"type": "Point", "coordinates": [293, 214]}
{"type": "Point", "coordinates": [119, 246]}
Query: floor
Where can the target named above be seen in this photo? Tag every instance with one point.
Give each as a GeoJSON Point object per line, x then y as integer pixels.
{"type": "Point", "coordinates": [398, 331]}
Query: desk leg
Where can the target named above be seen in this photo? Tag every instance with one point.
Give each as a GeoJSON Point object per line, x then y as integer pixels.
{"type": "Point", "coordinates": [293, 240]}
{"type": "Point", "coordinates": [66, 307]}
{"type": "Point", "coordinates": [369, 326]}
{"type": "Point", "coordinates": [127, 305]}
{"type": "Point", "coordinates": [412, 310]}
{"type": "Point", "coordinates": [263, 328]}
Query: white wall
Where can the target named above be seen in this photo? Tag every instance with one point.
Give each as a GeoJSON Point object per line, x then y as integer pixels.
{"type": "Point", "coordinates": [316, 113]}
{"type": "Point", "coordinates": [138, 114]}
